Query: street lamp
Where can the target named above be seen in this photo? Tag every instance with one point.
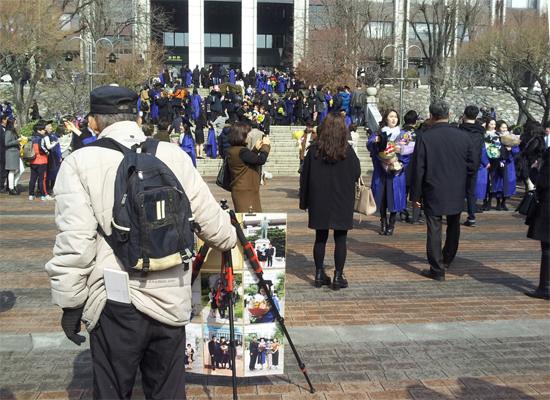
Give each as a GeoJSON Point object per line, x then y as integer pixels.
{"type": "Point", "coordinates": [92, 49]}
{"type": "Point", "coordinates": [383, 62]}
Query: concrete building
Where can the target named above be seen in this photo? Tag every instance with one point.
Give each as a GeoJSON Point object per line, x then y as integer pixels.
{"type": "Point", "coordinates": [258, 33]}
{"type": "Point", "coordinates": [243, 34]}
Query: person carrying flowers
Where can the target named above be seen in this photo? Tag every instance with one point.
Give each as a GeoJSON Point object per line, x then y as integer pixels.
{"type": "Point", "coordinates": [388, 180]}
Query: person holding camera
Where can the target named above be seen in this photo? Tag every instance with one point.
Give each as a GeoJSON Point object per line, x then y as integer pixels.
{"type": "Point", "coordinates": [147, 330]}
{"type": "Point", "coordinates": [245, 166]}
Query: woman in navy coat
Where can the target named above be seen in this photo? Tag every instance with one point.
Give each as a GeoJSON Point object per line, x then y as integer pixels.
{"type": "Point", "coordinates": [327, 190]}
{"type": "Point", "coordinates": [389, 188]}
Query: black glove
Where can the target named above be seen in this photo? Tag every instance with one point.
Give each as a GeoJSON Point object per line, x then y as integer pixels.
{"type": "Point", "coordinates": [70, 322]}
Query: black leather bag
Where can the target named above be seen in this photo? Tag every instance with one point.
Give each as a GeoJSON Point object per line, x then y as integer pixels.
{"type": "Point", "coordinates": [528, 205]}
{"type": "Point", "coordinates": [224, 178]}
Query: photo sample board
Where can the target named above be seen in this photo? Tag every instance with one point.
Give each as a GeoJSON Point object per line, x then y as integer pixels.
{"type": "Point", "coordinates": [260, 342]}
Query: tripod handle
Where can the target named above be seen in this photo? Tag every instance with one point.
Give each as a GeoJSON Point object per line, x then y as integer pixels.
{"type": "Point", "coordinates": [199, 260]}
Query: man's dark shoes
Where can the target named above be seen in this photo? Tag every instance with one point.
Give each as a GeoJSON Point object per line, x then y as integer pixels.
{"type": "Point", "coordinates": [13, 192]}
{"type": "Point", "coordinates": [419, 222]}
{"type": "Point", "coordinates": [339, 281]}
{"type": "Point", "coordinates": [539, 294]}
{"type": "Point", "coordinates": [470, 223]}
{"type": "Point", "coordinates": [321, 278]}
{"type": "Point", "coordinates": [429, 274]}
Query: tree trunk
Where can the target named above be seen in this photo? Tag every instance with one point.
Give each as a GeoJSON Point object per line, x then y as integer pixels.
{"type": "Point", "coordinates": [18, 99]}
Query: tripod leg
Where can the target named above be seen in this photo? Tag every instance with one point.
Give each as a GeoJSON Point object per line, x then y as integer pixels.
{"type": "Point", "coordinates": [232, 346]}
{"type": "Point", "coordinates": [253, 259]}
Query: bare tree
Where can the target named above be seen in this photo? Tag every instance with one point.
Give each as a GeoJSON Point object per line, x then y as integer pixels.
{"type": "Point", "coordinates": [440, 27]}
{"type": "Point", "coordinates": [517, 55]}
{"type": "Point", "coordinates": [344, 36]}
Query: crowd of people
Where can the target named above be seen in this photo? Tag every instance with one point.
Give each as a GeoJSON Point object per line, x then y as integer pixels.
{"type": "Point", "coordinates": [446, 163]}
{"type": "Point", "coordinates": [477, 159]}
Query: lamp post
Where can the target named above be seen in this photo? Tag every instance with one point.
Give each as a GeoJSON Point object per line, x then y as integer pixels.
{"type": "Point", "coordinates": [92, 49]}
{"type": "Point", "coordinates": [383, 63]}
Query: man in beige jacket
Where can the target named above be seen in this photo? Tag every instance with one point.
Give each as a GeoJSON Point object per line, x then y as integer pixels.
{"type": "Point", "coordinates": [149, 331]}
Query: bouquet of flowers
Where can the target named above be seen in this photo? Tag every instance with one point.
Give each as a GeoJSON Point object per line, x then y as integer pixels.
{"type": "Point", "coordinates": [493, 150]}
{"type": "Point", "coordinates": [260, 118]}
{"type": "Point", "coordinates": [405, 143]}
{"type": "Point", "coordinates": [281, 110]}
{"type": "Point", "coordinates": [331, 102]}
{"type": "Point", "coordinates": [299, 137]}
{"type": "Point", "coordinates": [389, 159]}
{"type": "Point", "coordinates": [258, 307]}
{"type": "Point", "coordinates": [510, 140]}
{"type": "Point", "coordinates": [174, 138]}
{"type": "Point", "coordinates": [273, 83]}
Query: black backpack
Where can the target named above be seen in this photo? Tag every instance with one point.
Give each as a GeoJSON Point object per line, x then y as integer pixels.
{"type": "Point", "coordinates": [152, 225]}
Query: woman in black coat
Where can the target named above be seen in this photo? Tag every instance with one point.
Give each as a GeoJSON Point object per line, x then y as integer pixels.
{"type": "Point", "coordinates": [327, 190]}
{"type": "Point", "coordinates": [539, 227]}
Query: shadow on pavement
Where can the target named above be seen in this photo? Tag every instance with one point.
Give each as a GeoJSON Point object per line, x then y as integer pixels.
{"type": "Point", "coordinates": [470, 388]}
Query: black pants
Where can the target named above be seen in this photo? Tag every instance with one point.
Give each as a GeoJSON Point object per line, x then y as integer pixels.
{"type": "Point", "coordinates": [3, 173]}
{"type": "Point", "coordinates": [437, 257]}
{"type": "Point", "coordinates": [471, 197]}
{"type": "Point", "coordinates": [340, 250]}
{"type": "Point", "coordinates": [544, 279]}
{"type": "Point", "coordinates": [253, 359]}
{"type": "Point", "coordinates": [38, 172]}
{"type": "Point", "coordinates": [269, 261]}
{"type": "Point", "coordinates": [126, 339]}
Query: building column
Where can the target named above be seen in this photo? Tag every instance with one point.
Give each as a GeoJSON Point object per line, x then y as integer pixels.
{"type": "Point", "coordinates": [301, 30]}
{"type": "Point", "coordinates": [196, 33]}
{"type": "Point", "coordinates": [142, 27]}
{"type": "Point", "coordinates": [249, 35]}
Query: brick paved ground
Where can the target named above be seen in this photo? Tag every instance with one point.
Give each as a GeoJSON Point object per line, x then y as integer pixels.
{"type": "Point", "coordinates": [391, 335]}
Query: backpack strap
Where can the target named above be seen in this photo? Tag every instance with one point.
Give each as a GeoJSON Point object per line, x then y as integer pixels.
{"type": "Point", "coordinates": [150, 146]}
{"type": "Point", "coordinates": [108, 143]}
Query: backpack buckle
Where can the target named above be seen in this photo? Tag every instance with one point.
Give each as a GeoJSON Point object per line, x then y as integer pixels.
{"type": "Point", "coordinates": [145, 269]}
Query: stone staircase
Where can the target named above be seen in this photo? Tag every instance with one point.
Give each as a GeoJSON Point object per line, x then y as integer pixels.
{"type": "Point", "coordinates": [284, 156]}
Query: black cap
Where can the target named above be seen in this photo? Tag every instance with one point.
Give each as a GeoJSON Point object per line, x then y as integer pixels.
{"type": "Point", "coordinates": [106, 99]}
{"type": "Point", "coordinates": [39, 126]}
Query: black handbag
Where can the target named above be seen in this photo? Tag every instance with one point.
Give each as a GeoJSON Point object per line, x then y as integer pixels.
{"type": "Point", "coordinates": [224, 179]}
{"type": "Point", "coordinates": [528, 204]}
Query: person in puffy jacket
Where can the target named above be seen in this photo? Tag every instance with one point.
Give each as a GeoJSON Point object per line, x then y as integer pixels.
{"type": "Point", "coordinates": [148, 331]}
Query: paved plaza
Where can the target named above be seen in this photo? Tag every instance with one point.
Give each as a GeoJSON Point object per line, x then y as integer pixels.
{"type": "Point", "coordinates": [391, 335]}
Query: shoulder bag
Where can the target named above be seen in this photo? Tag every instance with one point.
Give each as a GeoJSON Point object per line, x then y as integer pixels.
{"type": "Point", "coordinates": [224, 178]}
{"type": "Point", "coordinates": [364, 200]}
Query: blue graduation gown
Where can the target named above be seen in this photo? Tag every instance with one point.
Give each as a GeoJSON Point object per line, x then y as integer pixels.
{"type": "Point", "coordinates": [395, 186]}
{"type": "Point", "coordinates": [154, 107]}
{"type": "Point", "coordinates": [482, 176]}
{"type": "Point", "coordinates": [211, 145]}
{"type": "Point", "coordinates": [188, 146]}
{"type": "Point", "coordinates": [328, 98]}
{"type": "Point", "coordinates": [189, 78]}
{"type": "Point", "coordinates": [504, 178]}
{"type": "Point", "coordinates": [54, 162]}
{"type": "Point", "coordinates": [232, 76]}
{"type": "Point", "coordinates": [282, 83]}
{"type": "Point", "coordinates": [196, 101]}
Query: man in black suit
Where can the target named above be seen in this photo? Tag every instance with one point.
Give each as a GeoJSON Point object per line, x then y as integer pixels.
{"type": "Point", "coordinates": [269, 253]}
{"type": "Point", "coordinates": [253, 348]}
{"type": "Point", "coordinates": [442, 162]}
{"type": "Point", "coordinates": [214, 349]}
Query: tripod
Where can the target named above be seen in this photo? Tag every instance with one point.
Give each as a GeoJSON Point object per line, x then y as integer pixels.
{"type": "Point", "coordinates": [227, 272]}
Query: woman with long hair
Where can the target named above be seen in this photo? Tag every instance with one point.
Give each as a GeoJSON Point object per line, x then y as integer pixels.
{"type": "Point", "coordinates": [14, 164]}
{"type": "Point", "coordinates": [244, 167]}
{"type": "Point", "coordinates": [327, 191]}
{"type": "Point", "coordinates": [389, 186]}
